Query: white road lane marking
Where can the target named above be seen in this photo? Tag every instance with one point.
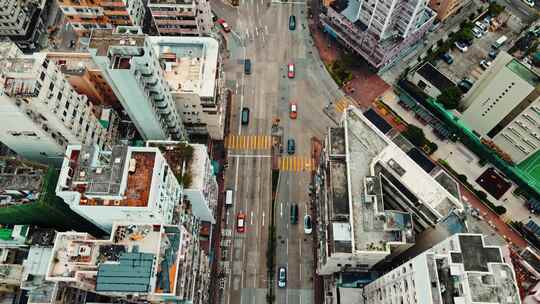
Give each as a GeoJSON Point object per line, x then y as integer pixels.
{"type": "Point", "coordinates": [251, 218]}
{"type": "Point", "coordinates": [281, 209]}
{"type": "Point", "coordinates": [263, 220]}
{"type": "Point", "coordinates": [300, 271]}
{"type": "Point", "coordinates": [227, 218]}
{"type": "Point", "coordinates": [300, 243]}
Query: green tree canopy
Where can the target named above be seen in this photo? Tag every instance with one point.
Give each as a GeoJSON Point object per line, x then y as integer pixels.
{"type": "Point", "coordinates": [450, 98]}
{"type": "Point", "coordinates": [415, 135]}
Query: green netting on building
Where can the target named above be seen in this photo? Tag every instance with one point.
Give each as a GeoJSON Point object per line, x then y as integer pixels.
{"type": "Point", "coordinates": [132, 273]}
{"type": "Point", "coordinates": [529, 183]}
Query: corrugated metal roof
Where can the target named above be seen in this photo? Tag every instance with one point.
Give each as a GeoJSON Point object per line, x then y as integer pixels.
{"type": "Point", "coordinates": [131, 274]}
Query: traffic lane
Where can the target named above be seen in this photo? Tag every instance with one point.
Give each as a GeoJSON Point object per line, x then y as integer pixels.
{"type": "Point", "coordinates": [282, 226]}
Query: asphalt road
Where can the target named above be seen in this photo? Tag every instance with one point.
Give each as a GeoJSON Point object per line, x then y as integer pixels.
{"type": "Point", "coordinates": [261, 33]}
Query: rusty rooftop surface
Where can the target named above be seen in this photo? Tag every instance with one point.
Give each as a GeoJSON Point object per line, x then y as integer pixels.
{"type": "Point", "coordinates": [99, 176]}
{"type": "Point", "coordinates": [102, 40]}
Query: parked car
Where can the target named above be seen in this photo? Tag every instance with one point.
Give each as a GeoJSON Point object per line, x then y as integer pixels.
{"type": "Point", "coordinates": [291, 146]}
{"type": "Point", "coordinates": [292, 23]}
{"type": "Point", "coordinates": [282, 277]}
{"type": "Point", "coordinates": [240, 222]}
{"type": "Point", "coordinates": [481, 25]}
{"type": "Point", "coordinates": [461, 46]}
{"type": "Point", "coordinates": [493, 54]}
{"type": "Point", "coordinates": [290, 70]}
{"type": "Point", "coordinates": [477, 32]}
{"type": "Point", "coordinates": [485, 64]}
{"type": "Point", "coordinates": [308, 226]}
{"type": "Point", "coordinates": [465, 85]}
{"type": "Point", "coordinates": [245, 116]}
{"type": "Point", "coordinates": [447, 58]}
{"type": "Point", "coordinates": [293, 111]}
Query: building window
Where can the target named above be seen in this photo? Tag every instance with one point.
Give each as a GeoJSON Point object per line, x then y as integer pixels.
{"type": "Point", "coordinates": [42, 76]}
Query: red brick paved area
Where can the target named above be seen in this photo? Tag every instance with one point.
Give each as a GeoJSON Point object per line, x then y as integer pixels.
{"type": "Point", "coordinates": [365, 86]}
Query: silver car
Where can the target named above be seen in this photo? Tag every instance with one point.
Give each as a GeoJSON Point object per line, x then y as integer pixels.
{"type": "Point", "coordinates": [282, 277]}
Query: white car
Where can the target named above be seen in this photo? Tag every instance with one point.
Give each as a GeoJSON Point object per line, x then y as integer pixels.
{"type": "Point", "coordinates": [308, 225]}
{"type": "Point", "coordinates": [477, 32]}
{"type": "Point", "coordinates": [485, 64]}
{"type": "Point", "coordinates": [529, 2]}
{"type": "Point", "coordinates": [282, 277]}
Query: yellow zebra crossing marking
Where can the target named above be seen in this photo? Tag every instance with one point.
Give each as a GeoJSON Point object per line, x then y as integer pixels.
{"type": "Point", "coordinates": [248, 142]}
{"type": "Point", "coordinates": [342, 104]}
{"type": "Point", "coordinates": [296, 164]}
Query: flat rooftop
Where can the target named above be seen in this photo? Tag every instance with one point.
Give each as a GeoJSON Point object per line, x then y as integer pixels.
{"type": "Point", "coordinates": [120, 177]}
{"type": "Point", "coordinates": [372, 226]}
{"type": "Point", "coordinates": [138, 258]}
{"type": "Point", "coordinates": [73, 62]}
{"type": "Point", "coordinates": [468, 261]}
{"type": "Point", "coordinates": [198, 166]}
{"type": "Point", "coordinates": [21, 175]}
{"type": "Point", "coordinates": [438, 79]}
{"type": "Point", "coordinates": [169, 2]}
{"type": "Point", "coordinates": [104, 39]}
{"type": "Point", "coordinates": [190, 63]}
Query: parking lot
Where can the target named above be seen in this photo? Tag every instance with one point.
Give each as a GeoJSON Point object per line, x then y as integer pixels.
{"type": "Point", "coordinates": [467, 64]}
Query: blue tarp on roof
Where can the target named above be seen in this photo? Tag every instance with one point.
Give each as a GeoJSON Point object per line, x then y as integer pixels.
{"type": "Point", "coordinates": [131, 274]}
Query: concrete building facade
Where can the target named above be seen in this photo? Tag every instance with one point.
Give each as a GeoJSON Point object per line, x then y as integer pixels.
{"type": "Point", "coordinates": [22, 21]}
{"type": "Point", "coordinates": [181, 17]}
{"type": "Point", "coordinates": [503, 106]}
{"type": "Point", "coordinates": [86, 15]}
{"type": "Point", "coordinates": [132, 68]}
{"type": "Point", "coordinates": [41, 113]}
{"type": "Point", "coordinates": [194, 72]}
{"type": "Point", "coordinates": [126, 183]}
{"type": "Point", "coordinates": [380, 31]}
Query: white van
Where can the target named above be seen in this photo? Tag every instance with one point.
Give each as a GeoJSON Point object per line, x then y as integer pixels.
{"type": "Point", "coordinates": [228, 198]}
{"type": "Point", "coordinates": [497, 44]}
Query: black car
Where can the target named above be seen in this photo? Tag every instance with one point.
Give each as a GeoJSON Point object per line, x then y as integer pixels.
{"type": "Point", "coordinates": [292, 23]}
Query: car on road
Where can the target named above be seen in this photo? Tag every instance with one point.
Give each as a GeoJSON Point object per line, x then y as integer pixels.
{"type": "Point", "coordinates": [291, 146]}
{"type": "Point", "coordinates": [240, 222]}
{"type": "Point", "coordinates": [447, 58]}
{"type": "Point", "coordinates": [485, 64]}
{"type": "Point", "coordinates": [477, 32]}
{"type": "Point", "coordinates": [293, 111]}
{"type": "Point", "coordinates": [292, 23]}
{"type": "Point", "coordinates": [308, 226]}
{"type": "Point", "coordinates": [529, 2]}
{"type": "Point", "coordinates": [290, 70]}
{"type": "Point", "coordinates": [224, 25]}
{"type": "Point", "coordinates": [282, 277]}
{"type": "Point", "coordinates": [461, 46]}
{"type": "Point", "coordinates": [245, 116]}
{"type": "Point", "coordinates": [247, 66]}
{"type": "Point", "coordinates": [294, 213]}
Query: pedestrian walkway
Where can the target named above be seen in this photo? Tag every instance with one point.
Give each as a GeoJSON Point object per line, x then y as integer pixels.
{"type": "Point", "coordinates": [343, 103]}
{"type": "Point", "coordinates": [296, 164]}
{"type": "Point", "coordinates": [248, 142]}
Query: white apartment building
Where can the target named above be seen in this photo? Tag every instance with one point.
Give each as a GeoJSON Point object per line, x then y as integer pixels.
{"type": "Point", "coordinates": [381, 31]}
{"type": "Point", "coordinates": [127, 183]}
{"type": "Point", "coordinates": [132, 69]}
{"type": "Point", "coordinates": [202, 192]}
{"type": "Point", "coordinates": [181, 17]}
{"type": "Point", "coordinates": [372, 198]}
{"type": "Point", "coordinates": [41, 113]}
{"type": "Point", "coordinates": [460, 269]}
{"type": "Point", "coordinates": [504, 106]}
{"type": "Point", "coordinates": [22, 22]}
{"type": "Point", "coordinates": [141, 261]}
{"type": "Point", "coordinates": [193, 70]}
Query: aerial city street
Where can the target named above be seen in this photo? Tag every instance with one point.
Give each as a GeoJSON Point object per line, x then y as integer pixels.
{"type": "Point", "coordinates": [269, 151]}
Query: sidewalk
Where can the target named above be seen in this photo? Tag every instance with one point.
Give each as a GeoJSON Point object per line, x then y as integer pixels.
{"type": "Point", "coordinates": [318, 286]}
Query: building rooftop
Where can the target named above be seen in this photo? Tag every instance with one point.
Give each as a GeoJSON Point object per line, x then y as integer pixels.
{"type": "Point", "coordinates": [524, 72]}
{"type": "Point", "coordinates": [466, 268]}
{"type": "Point", "coordinates": [434, 76]}
{"type": "Point", "coordinates": [190, 63]}
{"type": "Point", "coordinates": [121, 177]}
{"type": "Point", "coordinates": [370, 226]}
{"type": "Point", "coordinates": [73, 63]}
{"type": "Point", "coordinates": [20, 181]}
{"type": "Point", "coordinates": [198, 166]}
{"type": "Point", "coordinates": [121, 40]}
{"type": "Point", "coordinates": [169, 2]}
{"type": "Point", "coordinates": [138, 258]}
